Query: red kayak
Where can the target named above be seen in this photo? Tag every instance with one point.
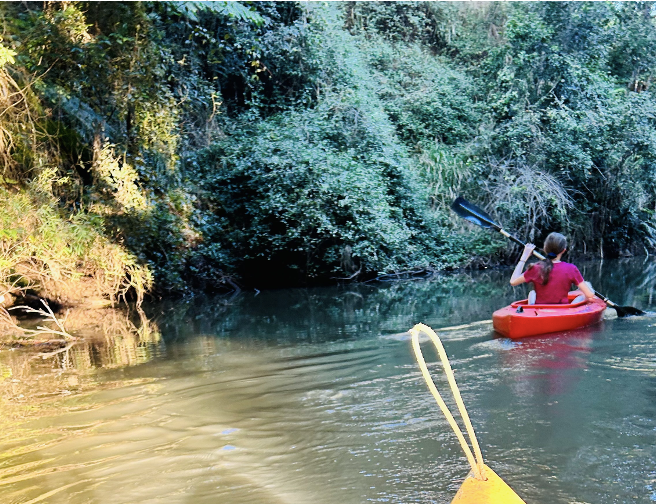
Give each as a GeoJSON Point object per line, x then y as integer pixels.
{"type": "Point", "coordinates": [521, 319]}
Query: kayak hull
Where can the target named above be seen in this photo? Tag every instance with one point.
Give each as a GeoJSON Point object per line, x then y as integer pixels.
{"type": "Point", "coordinates": [533, 320]}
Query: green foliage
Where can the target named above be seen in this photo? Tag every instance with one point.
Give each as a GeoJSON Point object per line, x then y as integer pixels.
{"type": "Point", "coordinates": [40, 249]}
{"type": "Point", "coordinates": [232, 9]}
{"type": "Point", "coordinates": [293, 201]}
{"type": "Point", "coordinates": [6, 55]}
{"type": "Point", "coordinates": [326, 191]}
{"type": "Point", "coordinates": [427, 23]}
{"type": "Point", "coordinates": [561, 109]}
{"type": "Point", "coordinates": [423, 95]}
{"type": "Point", "coordinates": [447, 172]}
{"type": "Point", "coordinates": [290, 143]}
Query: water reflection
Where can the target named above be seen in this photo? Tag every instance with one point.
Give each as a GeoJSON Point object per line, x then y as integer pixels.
{"type": "Point", "coordinates": [33, 381]}
{"type": "Point", "coordinates": [299, 396]}
{"type": "Point", "coordinates": [551, 364]}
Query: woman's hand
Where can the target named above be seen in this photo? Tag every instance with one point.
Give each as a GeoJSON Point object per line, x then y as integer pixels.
{"type": "Point", "coordinates": [528, 251]}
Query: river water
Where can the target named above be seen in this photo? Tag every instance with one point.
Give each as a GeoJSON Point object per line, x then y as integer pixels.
{"type": "Point", "coordinates": [314, 396]}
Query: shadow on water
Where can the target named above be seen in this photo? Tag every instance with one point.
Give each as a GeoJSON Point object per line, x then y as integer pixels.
{"type": "Point", "coordinates": [315, 314]}
{"type": "Point", "coordinates": [346, 311]}
{"type": "Point", "coordinates": [312, 395]}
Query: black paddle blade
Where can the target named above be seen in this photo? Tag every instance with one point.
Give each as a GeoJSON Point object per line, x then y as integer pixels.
{"type": "Point", "coordinates": [626, 311]}
{"type": "Point", "coordinates": [473, 214]}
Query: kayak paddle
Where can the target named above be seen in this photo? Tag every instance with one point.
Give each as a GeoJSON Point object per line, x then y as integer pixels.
{"type": "Point", "coordinates": [477, 216]}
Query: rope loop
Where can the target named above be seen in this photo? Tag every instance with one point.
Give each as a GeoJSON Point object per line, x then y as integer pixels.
{"type": "Point", "coordinates": [477, 465]}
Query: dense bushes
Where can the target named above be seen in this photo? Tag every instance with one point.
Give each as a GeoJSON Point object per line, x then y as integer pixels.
{"type": "Point", "coordinates": [292, 201]}
{"type": "Point", "coordinates": [564, 105]}
{"type": "Point", "coordinates": [62, 255]}
{"type": "Point", "coordinates": [291, 143]}
{"type": "Point", "coordinates": [326, 191]}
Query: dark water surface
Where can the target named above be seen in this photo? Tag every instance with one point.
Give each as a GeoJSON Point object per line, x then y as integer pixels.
{"type": "Point", "coordinates": [313, 396]}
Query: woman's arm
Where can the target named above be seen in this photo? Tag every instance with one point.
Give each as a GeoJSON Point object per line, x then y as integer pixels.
{"type": "Point", "coordinates": [585, 289]}
{"type": "Point", "coordinates": [517, 276]}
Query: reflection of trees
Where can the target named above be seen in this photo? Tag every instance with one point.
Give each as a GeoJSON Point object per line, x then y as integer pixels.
{"type": "Point", "coordinates": [112, 338]}
{"type": "Point", "coordinates": [326, 313]}
{"type": "Point", "coordinates": [311, 315]}
{"type": "Point", "coordinates": [625, 281]}
{"type": "Point", "coordinates": [648, 280]}
{"type": "Point", "coordinates": [38, 385]}
{"type": "Point", "coordinates": [116, 340]}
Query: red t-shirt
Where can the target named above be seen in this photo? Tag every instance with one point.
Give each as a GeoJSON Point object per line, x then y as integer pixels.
{"type": "Point", "coordinates": [561, 278]}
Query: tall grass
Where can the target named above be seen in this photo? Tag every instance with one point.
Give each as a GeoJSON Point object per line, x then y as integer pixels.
{"type": "Point", "coordinates": [526, 196]}
{"type": "Point", "coordinates": [58, 256]}
{"type": "Point", "coordinates": [446, 173]}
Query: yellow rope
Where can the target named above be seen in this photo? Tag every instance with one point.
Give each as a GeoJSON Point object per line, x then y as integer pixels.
{"type": "Point", "coordinates": [477, 465]}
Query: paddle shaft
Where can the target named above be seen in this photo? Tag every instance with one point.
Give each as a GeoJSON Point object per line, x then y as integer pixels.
{"type": "Point", "coordinates": [518, 241]}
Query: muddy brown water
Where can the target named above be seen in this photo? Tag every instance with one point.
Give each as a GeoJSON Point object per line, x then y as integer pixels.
{"type": "Point", "coordinates": [313, 396]}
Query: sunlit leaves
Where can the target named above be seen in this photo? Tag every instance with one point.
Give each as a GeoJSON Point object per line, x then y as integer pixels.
{"type": "Point", "coordinates": [6, 55]}
{"type": "Point", "coordinates": [229, 8]}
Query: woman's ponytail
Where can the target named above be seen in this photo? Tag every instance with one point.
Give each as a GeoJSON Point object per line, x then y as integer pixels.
{"type": "Point", "coordinates": [553, 245]}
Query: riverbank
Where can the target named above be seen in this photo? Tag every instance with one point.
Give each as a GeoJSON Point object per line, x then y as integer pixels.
{"type": "Point", "coordinates": [53, 262]}
{"type": "Point", "coordinates": [93, 315]}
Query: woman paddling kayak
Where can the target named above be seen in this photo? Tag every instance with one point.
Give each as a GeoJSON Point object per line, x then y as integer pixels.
{"type": "Point", "coordinates": [551, 278]}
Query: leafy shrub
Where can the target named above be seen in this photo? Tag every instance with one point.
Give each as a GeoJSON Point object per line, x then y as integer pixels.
{"type": "Point", "coordinates": [43, 251]}
{"type": "Point", "coordinates": [295, 208]}
{"type": "Point", "coordinates": [324, 192]}
{"type": "Point", "coordinates": [424, 97]}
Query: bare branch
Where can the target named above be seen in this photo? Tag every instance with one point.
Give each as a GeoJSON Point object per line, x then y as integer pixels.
{"type": "Point", "coordinates": [48, 314]}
